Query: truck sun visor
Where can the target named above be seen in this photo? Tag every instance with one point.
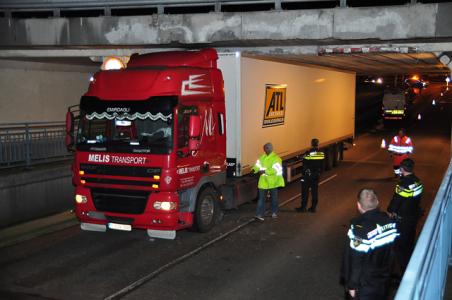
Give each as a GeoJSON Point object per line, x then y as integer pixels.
{"type": "Point", "coordinates": [154, 108]}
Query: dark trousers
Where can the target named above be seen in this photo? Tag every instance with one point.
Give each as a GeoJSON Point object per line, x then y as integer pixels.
{"type": "Point", "coordinates": [309, 183]}
{"type": "Point", "coordinates": [404, 245]}
{"type": "Point", "coordinates": [372, 293]}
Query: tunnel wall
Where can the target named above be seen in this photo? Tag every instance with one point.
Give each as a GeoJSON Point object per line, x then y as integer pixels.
{"type": "Point", "coordinates": [31, 194]}
{"type": "Point", "coordinates": [33, 92]}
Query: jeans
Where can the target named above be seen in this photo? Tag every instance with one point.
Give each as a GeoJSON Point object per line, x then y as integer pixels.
{"type": "Point", "coordinates": [260, 210]}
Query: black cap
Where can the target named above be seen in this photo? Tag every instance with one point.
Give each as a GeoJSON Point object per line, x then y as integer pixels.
{"type": "Point", "coordinates": [407, 164]}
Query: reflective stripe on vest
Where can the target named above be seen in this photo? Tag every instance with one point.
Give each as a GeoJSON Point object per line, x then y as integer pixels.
{"type": "Point", "coordinates": [315, 156]}
{"type": "Point", "coordinates": [400, 149]}
{"type": "Point", "coordinates": [401, 146]}
{"type": "Point", "coordinates": [258, 164]}
{"type": "Point", "coordinates": [278, 168]}
{"type": "Point", "coordinates": [412, 191]}
{"type": "Point", "coordinates": [380, 236]}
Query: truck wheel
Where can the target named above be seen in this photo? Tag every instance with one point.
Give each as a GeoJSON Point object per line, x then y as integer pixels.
{"type": "Point", "coordinates": [207, 210]}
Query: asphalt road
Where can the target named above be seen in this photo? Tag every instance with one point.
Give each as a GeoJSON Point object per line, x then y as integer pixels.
{"type": "Point", "coordinates": [296, 256]}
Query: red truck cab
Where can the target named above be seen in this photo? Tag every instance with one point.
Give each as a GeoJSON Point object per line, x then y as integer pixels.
{"type": "Point", "coordinates": [150, 146]}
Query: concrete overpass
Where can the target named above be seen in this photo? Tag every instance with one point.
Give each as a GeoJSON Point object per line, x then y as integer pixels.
{"type": "Point", "coordinates": [363, 39]}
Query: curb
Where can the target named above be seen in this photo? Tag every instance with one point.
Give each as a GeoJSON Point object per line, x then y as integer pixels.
{"type": "Point", "coordinates": [16, 234]}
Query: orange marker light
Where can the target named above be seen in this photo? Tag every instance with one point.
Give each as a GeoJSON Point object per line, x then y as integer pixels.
{"type": "Point", "coordinates": [81, 172]}
{"type": "Point", "coordinates": [82, 181]}
{"type": "Point", "coordinates": [155, 186]}
{"type": "Point", "coordinates": [113, 63]}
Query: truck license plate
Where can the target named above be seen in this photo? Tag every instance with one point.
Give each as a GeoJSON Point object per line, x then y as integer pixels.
{"type": "Point", "coordinates": [116, 226]}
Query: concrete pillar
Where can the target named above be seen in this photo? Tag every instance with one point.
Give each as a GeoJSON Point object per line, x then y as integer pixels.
{"type": "Point", "coordinates": [107, 11]}
{"type": "Point", "coordinates": [217, 6]}
{"type": "Point", "coordinates": [56, 13]}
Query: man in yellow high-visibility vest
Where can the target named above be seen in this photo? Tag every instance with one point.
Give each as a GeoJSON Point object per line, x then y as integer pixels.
{"type": "Point", "coordinates": [269, 167]}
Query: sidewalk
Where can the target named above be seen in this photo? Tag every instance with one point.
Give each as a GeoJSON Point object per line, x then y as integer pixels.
{"type": "Point", "coordinates": [25, 231]}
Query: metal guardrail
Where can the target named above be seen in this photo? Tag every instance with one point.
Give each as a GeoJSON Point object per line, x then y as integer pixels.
{"type": "Point", "coordinates": [107, 5]}
{"type": "Point", "coordinates": [26, 144]}
{"type": "Point", "coordinates": [426, 274]}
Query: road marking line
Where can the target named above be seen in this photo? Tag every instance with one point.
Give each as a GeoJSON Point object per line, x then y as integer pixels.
{"type": "Point", "coordinates": [327, 179]}
{"type": "Point", "coordinates": [163, 268]}
{"type": "Point", "coordinates": [119, 294]}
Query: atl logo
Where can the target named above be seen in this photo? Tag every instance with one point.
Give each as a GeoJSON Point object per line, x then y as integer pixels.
{"type": "Point", "coordinates": [276, 106]}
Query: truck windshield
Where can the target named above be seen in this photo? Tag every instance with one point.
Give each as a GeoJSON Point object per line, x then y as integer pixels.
{"type": "Point", "coordinates": [126, 126]}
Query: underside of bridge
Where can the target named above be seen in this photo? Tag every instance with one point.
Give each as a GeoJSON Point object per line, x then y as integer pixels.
{"type": "Point", "coordinates": [380, 41]}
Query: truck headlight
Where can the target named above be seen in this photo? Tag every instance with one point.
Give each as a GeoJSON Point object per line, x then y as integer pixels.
{"type": "Point", "coordinates": [81, 199]}
{"type": "Point", "coordinates": [165, 205]}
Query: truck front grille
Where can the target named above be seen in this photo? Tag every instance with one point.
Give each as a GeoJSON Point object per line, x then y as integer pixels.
{"type": "Point", "coordinates": [120, 201]}
{"type": "Point", "coordinates": [98, 169]}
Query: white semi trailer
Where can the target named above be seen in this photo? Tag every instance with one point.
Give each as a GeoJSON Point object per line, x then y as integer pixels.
{"type": "Point", "coordinates": [317, 103]}
{"type": "Point", "coordinates": [308, 102]}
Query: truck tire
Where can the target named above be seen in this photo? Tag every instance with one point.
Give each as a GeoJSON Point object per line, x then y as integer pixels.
{"type": "Point", "coordinates": [208, 211]}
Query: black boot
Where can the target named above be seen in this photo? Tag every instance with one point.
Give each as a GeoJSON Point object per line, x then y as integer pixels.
{"type": "Point", "coordinates": [311, 209]}
{"type": "Point", "coordinates": [301, 209]}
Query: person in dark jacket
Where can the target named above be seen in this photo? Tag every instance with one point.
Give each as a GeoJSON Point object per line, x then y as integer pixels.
{"type": "Point", "coordinates": [404, 207]}
{"type": "Point", "coordinates": [312, 167]}
{"type": "Point", "coordinates": [368, 258]}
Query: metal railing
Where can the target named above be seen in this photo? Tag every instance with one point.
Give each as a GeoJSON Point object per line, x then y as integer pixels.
{"type": "Point", "coordinates": [107, 5]}
{"type": "Point", "coordinates": [426, 274]}
{"type": "Point", "coordinates": [26, 144]}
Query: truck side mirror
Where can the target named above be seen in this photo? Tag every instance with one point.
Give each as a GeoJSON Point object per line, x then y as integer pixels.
{"type": "Point", "coordinates": [194, 126]}
{"type": "Point", "coordinates": [194, 131]}
{"type": "Point", "coordinates": [69, 131]}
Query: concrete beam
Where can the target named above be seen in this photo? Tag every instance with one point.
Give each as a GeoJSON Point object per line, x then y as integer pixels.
{"type": "Point", "coordinates": [295, 27]}
{"type": "Point", "coordinates": [436, 47]}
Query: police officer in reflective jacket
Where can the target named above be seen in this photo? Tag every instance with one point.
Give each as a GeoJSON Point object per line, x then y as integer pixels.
{"type": "Point", "coordinates": [312, 167]}
{"type": "Point", "coordinates": [368, 257]}
{"type": "Point", "coordinates": [404, 207]}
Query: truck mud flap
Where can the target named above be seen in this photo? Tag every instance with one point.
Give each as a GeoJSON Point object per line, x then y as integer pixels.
{"type": "Point", "coordinates": [162, 234]}
{"type": "Point", "coordinates": [238, 191]}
